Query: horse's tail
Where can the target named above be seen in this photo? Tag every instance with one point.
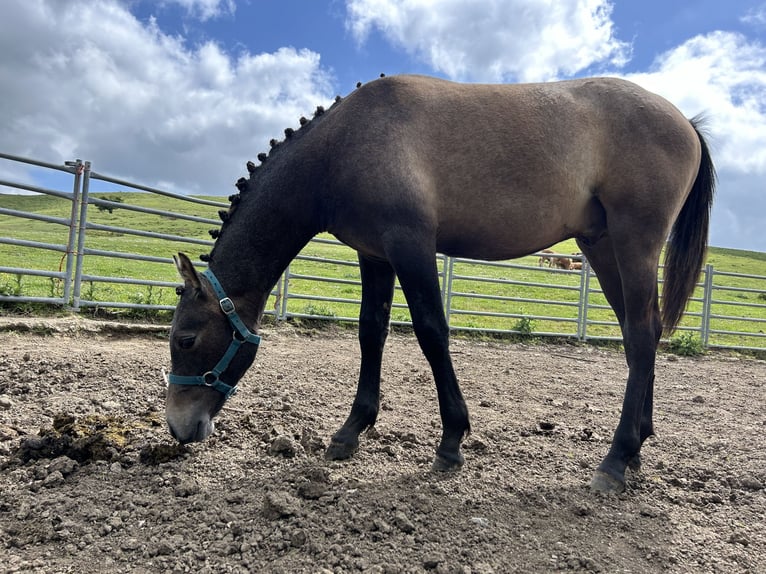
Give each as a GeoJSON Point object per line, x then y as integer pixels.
{"type": "Point", "coordinates": [687, 244]}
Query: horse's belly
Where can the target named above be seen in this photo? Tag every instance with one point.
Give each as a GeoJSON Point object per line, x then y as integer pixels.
{"type": "Point", "coordinates": [502, 248]}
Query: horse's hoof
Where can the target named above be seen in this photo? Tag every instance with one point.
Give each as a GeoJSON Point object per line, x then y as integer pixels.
{"type": "Point", "coordinates": [444, 463]}
{"type": "Point", "coordinates": [606, 483]}
{"type": "Point", "coordinates": [340, 451]}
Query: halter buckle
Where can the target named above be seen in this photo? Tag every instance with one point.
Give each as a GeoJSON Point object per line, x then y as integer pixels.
{"type": "Point", "coordinates": [227, 306]}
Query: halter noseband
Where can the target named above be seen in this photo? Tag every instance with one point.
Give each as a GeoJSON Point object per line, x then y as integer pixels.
{"type": "Point", "coordinates": [240, 335]}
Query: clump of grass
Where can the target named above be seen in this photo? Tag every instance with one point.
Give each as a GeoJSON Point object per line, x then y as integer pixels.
{"type": "Point", "coordinates": [686, 345]}
{"type": "Point", "coordinates": [319, 310]}
{"type": "Point", "coordinates": [524, 326]}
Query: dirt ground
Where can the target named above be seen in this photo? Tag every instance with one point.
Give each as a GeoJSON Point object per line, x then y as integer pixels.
{"type": "Point", "coordinates": [91, 481]}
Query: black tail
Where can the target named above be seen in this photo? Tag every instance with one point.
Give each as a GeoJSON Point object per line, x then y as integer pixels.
{"type": "Point", "coordinates": [687, 245]}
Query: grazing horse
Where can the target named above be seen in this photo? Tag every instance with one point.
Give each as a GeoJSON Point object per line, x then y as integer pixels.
{"type": "Point", "coordinates": [408, 166]}
{"type": "Point", "coordinates": [545, 258]}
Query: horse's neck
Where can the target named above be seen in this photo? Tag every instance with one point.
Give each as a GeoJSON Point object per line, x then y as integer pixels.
{"type": "Point", "coordinates": [263, 236]}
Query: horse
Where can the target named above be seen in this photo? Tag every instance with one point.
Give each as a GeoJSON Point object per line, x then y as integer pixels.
{"type": "Point", "coordinates": [408, 166]}
{"type": "Point", "coordinates": [545, 258]}
{"type": "Point", "coordinates": [562, 262]}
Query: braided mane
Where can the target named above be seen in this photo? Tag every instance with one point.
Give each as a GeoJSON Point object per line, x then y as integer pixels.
{"type": "Point", "coordinates": [276, 147]}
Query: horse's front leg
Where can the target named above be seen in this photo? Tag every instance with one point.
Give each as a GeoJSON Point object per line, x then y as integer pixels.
{"type": "Point", "coordinates": [377, 295]}
{"type": "Point", "coordinates": [419, 279]}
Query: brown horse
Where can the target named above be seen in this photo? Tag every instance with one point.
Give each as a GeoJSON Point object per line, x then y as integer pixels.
{"type": "Point", "coordinates": [409, 166]}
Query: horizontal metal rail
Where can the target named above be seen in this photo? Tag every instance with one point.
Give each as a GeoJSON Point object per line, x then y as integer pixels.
{"type": "Point", "coordinates": [473, 291]}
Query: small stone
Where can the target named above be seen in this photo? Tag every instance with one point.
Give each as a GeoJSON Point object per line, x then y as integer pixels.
{"type": "Point", "coordinates": [582, 510]}
{"type": "Point", "coordinates": [751, 483]}
{"type": "Point", "coordinates": [283, 446]}
{"type": "Point", "coordinates": [164, 549]}
{"type": "Point", "coordinates": [739, 538]}
{"type": "Point", "coordinates": [699, 399]}
{"type": "Point", "coordinates": [130, 544]}
{"type": "Point", "coordinates": [476, 444]}
{"type": "Point", "coordinates": [403, 523]}
{"type": "Point", "coordinates": [6, 403]}
{"type": "Point", "coordinates": [64, 465]}
{"type": "Point", "coordinates": [186, 488]}
{"type": "Point", "coordinates": [312, 489]}
{"type": "Point", "coordinates": [431, 561]}
{"type": "Point", "coordinates": [53, 479]}
{"type": "Point", "coordinates": [279, 505]}
{"type": "Point", "coordinates": [298, 538]}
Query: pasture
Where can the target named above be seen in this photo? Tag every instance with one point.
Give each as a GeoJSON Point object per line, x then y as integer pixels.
{"type": "Point", "coordinates": [113, 493]}
{"type": "Point", "coordinates": [483, 300]}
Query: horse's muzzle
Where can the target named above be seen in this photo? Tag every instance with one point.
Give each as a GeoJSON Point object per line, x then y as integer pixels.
{"type": "Point", "coordinates": [186, 433]}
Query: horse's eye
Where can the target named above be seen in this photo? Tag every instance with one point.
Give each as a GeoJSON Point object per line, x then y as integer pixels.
{"type": "Point", "coordinates": [186, 342]}
{"type": "Point", "coordinates": [179, 290]}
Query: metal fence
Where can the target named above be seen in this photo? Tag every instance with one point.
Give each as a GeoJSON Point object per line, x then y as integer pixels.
{"type": "Point", "coordinates": [93, 263]}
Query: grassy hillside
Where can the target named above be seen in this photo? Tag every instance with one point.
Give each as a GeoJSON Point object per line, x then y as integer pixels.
{"type": "Point", "coordinates": [486, 296]}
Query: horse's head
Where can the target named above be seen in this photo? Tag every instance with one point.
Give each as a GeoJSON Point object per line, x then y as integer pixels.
{"type": "Point", "coordinates": [210, 350]}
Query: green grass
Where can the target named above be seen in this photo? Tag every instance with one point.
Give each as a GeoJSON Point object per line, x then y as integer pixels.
{"type": "Point", "coordinates": [471, 306]}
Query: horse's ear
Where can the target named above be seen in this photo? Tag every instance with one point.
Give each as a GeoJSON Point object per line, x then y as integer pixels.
{"type": "Point", "coordinates": [187, 272]}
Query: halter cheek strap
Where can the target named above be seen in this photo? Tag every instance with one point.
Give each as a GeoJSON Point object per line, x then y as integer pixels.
{"type": "Point", "coordinates": [240, 335]}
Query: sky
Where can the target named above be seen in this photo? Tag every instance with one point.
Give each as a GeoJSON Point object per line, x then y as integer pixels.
{"type": "Point", "coordinates": [179, 94]}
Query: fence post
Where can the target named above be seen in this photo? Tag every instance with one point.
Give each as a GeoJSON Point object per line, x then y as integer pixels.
{"type": "Point", "coordinates": [285, 293]}
{"type": "Point", "coordinates": [278, 298]}
{"type": "Point", "coordinates": [77, 165]}
{"type": "Point", "coordinates": [707, 303]}
{"type": "Point", "coordinates": [582, 310]}
{"type": "Point", "coordinates": [449, 264]}
{"type": "Point", "coordinates": [82, 225]}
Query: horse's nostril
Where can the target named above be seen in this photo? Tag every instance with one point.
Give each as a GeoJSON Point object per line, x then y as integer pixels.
{"type": "Point", "coordinates": [204, 429]}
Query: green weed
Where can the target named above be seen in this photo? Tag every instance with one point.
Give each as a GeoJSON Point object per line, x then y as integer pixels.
{"type": "Point", "coordinates": [686, 344]}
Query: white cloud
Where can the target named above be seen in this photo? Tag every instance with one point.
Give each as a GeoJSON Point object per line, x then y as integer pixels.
{"type": "Point", "coordinates": [723, 75]}
{"type": "Point", "coordinates": [497, 40]}
{"type": "Point", "coordinates": [86, 79]}
{"type": "Point", "coordinates": [205, 9]}
{"type": "Point", "coordinates": [756, 16]}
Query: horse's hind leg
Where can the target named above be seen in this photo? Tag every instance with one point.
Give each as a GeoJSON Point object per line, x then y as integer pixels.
{"type": "Point", "coordinates": [377, 295]}
{"type": "Point", "coordinates": [633, 296]}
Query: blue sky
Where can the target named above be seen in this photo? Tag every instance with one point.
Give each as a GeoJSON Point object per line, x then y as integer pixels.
{"type": "Point", "coordinates": [180, 93]}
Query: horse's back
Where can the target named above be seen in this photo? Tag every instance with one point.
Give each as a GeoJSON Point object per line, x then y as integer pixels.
{"type": "Point", "coordinates": [501, 170]}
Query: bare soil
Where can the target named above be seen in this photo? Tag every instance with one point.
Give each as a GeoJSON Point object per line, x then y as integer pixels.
{"type": "Point", "coordinates": [90, 480]}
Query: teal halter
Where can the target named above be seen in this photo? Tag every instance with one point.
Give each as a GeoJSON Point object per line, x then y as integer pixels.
{"type": "Point", "coordinates": [240, 335]}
